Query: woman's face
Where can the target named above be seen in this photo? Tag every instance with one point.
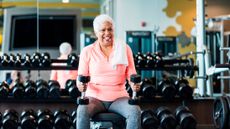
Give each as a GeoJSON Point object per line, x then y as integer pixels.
{"type": "Point", "coordinates": [105, 34]}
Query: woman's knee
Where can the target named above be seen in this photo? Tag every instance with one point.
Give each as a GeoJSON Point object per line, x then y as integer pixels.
{"type": "Point", "coordinates": [135, 111]}
{"type": "Point", "coordinates": [82, 111]}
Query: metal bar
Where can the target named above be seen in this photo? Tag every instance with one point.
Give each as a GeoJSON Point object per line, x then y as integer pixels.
{"type": "Point", "coordinates": [223, 77]}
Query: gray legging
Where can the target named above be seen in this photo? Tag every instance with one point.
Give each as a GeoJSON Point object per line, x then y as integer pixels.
{"type": "Point", "coordinates": [132, 113]}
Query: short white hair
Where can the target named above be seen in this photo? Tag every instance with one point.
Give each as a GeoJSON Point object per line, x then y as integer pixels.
{"type": "Point", "coordinates": [99, 20]}
{"type": "Point", "coordinates": [65, 48]}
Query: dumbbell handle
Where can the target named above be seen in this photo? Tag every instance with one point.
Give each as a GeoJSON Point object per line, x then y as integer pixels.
{"type": "Point", "coordinates": [83, 93]}
{"type": "Point", "coordinates": [134, 96]}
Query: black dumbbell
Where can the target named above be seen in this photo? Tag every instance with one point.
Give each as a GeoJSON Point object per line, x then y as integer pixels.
{"type": "Point", "coordinates": [140, 60]}
{"type": "Point", "coordinates": [158, 59]}
{"type": "Point", "coordinates": [166, 118]}
{"type": "Point", "coordinates": [26, 60]}
{"type": "Point", "coordinates": [73, 60]}
{"type": "Point", "coordinates": [128, 88]}
{"type": "Point", "coordinates": [45, 119]}
{"type": "Point", "coordinates": [150, 62]}
{"type": "Point", "coordinates": [72, 89]}
{"type": "Point", "coordinates": [184, 90]}
{"type": "Point", "coordinates": [149, 120]}
{"type": "Point", "coordinates": [28, 119]}
{"type": "Point", "coordinates": [148, 88]}
{"type": "Point", "coordinates": [135, 79]}
{"type": "Point", "coordinates": [4, 90]}
{"type": "Point", "coordinates": [30, 89]}
{"type": "Point", "coordinates": [11, 60]}
{"type": "Point", "coordinates": [166, 89]}
{"type": "Point", "coordinates": [62, 119]}
{"type": "Point", "coordinates": [42, 89]}
{"type": "Point", "coordinates": [185, 118]}
{"type": "Point", "coordinates": [36, 59]}
{"type": "Point", "coordinates": [84, 80]}
{"type": "Point", "coordinates": [18, 90]}
{"type": "Point", "coordinates": [74, 119]}
{"type": "Point", "coordinates": [54, 89]}
{"type": "Point", "coordinates": [45, 59]}
{"type": "Point", "coordinates": [5, 60]}
{"type": "Point", "coordinates": [18, 60]}
{"type": "Point", "coordinates": [10, 119]}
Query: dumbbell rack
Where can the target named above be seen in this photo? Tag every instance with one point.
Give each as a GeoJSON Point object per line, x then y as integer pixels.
{"type": "Point", "coordinates": [200, 107]}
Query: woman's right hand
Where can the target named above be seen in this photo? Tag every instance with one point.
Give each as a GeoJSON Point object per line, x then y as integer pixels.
{"type": "Point", "coordinates": [81, 86]}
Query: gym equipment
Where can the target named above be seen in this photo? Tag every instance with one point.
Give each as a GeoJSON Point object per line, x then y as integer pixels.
{"type": "Point", "coordinates": [150, 62]}
{"type": "Point", "coordinates": [135, 79]}
{"type": "Point", "coordinates": [166, 118]}
{"type": "Point", "coordinates": [184, 90]}
{"type": "Point", "coordinates": [84, 80]}
{"type": "Point", "coordinates": [26, 60]}
{"type": "Point", "coordinates": [30, 89]}
{"type": "Point", "coordinates": [18, 60]}
{"type": "Point", "coordinates": [72, 89]}
{"type": "Point", "coordinates": [148, 89]}
{"type": "Point", "coordinates": [74, 119]}
{"type": "Point", "coordinates": [158, 60]}
{"type": "Point", "coordinates": [54, 89]}
{"type": "Point", "coordinates": [167, 89]}
{"type": "Point", "coordinates": [5, 60]}
{"type": "Point", "coordinates": [11, 60]}
{"type": "Point", "coordinates": [190, 72]}
{"type": "Point", "coordinates": [62, 119]}
{"type": "Point", "coordinates": [36, 59]}
{"type": "Point", "coordinates": [185, 118]}
{"type": "Point", "coordinates": [221, 113]}
{"type": "Point", "coordinates": [18, 89]}
{"type": "Point", "coordinates": [42, 89]}
{"type": "Point", "coordinates": [4, 90]}
{"type": "Point", "coordinates": [28, 119]}
{"type": "Point", "coordinates": [149, 120]}
{"type": "Point", "coordinates": [140, 60]}
{"type": "Point", "coordinates": [45, 119]}
{"type": "Point", "coordinates": [10, 119]}
{"type": "Point", "coordinates": [128, 88]}
{"type": "Point", "coordinates": [45, 59]}
{"type": "Point", "coordinates": [73, 60]}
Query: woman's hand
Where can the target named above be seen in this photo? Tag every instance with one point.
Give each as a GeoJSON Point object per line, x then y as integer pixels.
{"type": "Point", "coordinates": [135, 86]}
{"type": "Point", "coordinates": [81, 86]}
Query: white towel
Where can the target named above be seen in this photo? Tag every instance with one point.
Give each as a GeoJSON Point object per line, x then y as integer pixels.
{"type": "Point", "coordinates": [120, 54]}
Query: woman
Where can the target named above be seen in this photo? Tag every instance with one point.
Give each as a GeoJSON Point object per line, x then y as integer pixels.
{"type": "Point", "coordinates": [108, 63]}
{"type": "Point", "coordinates": [63, 75]}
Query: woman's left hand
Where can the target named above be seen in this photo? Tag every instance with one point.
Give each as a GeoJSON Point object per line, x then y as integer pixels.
{"type": "Point", "coordinates": [135, 87]}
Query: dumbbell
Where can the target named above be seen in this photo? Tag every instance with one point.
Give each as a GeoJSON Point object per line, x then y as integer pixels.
{"type": "Point", "coordinates": [185, 118]}
{"type": "Point", "coordinates": [42, 89]}
{"type": "Point", "coordinates": [18, 90]}
{"type": "Point", "coordinates": [54, 89]}
{"type": "Point", "coordinates": [140, 60]}
{"type": "Point", "coordinates": [149, 120]}
{"type": "Point", "coordinates": [0, 119]}
{"type": "Point", "coordinates": [18, 60]}
{"type": "Point", "coordinates": [5, 60]}
{"type": "Point", "coordinates": [30, 89]}
{"type": "Point", "coordinates": [4, 90]}
{"type": "Point", "coordinates": [28, 119]}
{"type": "Point", "coordinates": [135, 79]}
{"type": "Point", "coordinates": [11, 60]}
{"type": "Point", "coordinates": [158, 59]}
{"type": "Point", "coordinates": [84, 80]}
{"type": "Point", "coordinates": [72, 89]}
{"type": "Point", "coordinates": [73, 60]}
{"type": "Point", "coordinates": [166, 89]}
{"type": "Point", "coordinates": [26, 60]}
{"type": "Point", "coordinates": [166, 118]}
{"type": "Point", "coordinates": [150, 62]}
{"type": "Point", "coordinates": [148, 89]}
{"type": "Point", "coordinates": [10, 119]}
{"type": "Point", "coordinates": [74, 119]}
{"type": "Point", "coordinates": [36, 59]}
{"type": "Point", "coordinates": [184, 90]}
{"type": "Point", "coordinates": [128, 88]}
{"type": "Point", "coordinates": [45, 59]}
{"type": "Point", "coordinates": [45, 119]}
{"type": "Point", "coordinates": [62, 119]}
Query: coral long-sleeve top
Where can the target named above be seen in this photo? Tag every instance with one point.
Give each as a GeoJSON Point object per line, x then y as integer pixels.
{"type": "Point", "coordinates": [106, 83]}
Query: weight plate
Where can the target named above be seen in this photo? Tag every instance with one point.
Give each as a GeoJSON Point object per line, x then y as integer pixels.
{"type": "Point", "coordinates": [220, 113]}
